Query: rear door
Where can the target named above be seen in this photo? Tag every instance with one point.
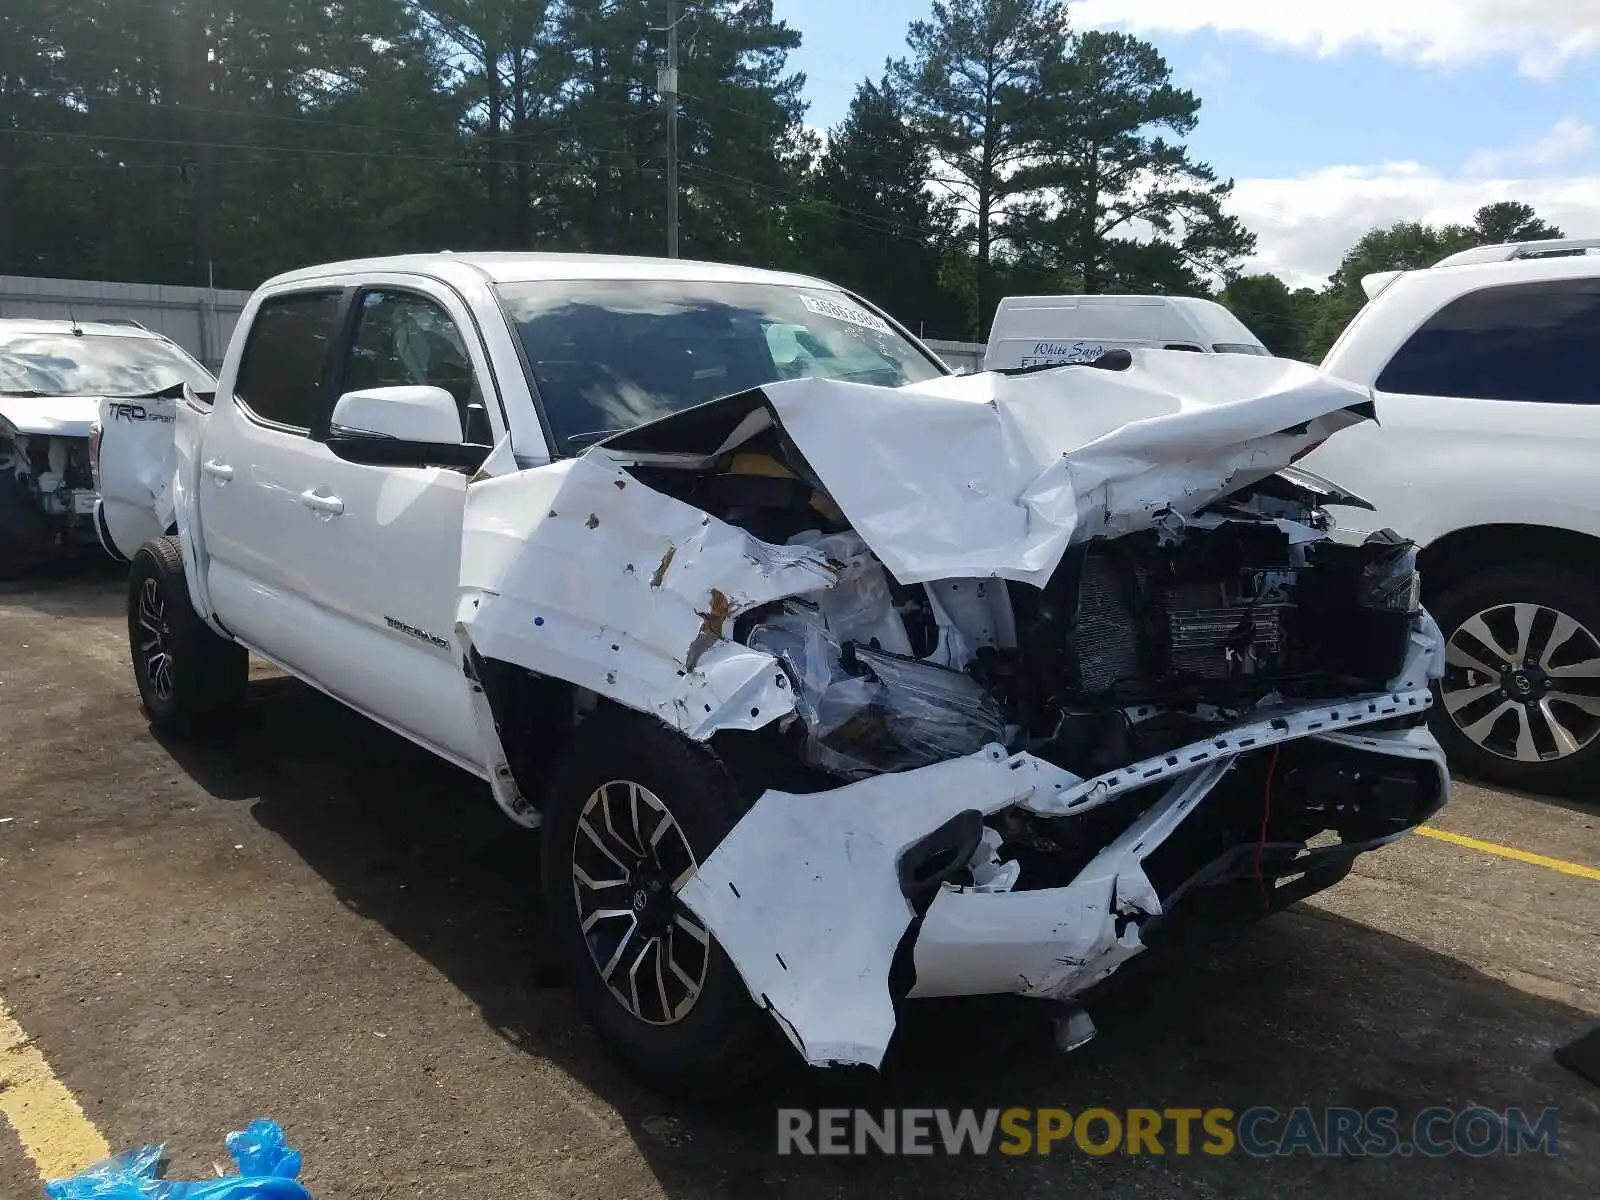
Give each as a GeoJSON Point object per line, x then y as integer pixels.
{"type": "Point", "coordinates": [256, 470]}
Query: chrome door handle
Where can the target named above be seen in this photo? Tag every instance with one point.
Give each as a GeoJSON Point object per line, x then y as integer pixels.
{"type": "Point", "coordinates": [328, 506]}
{"type": "Point", "coordinates": [218, 470]}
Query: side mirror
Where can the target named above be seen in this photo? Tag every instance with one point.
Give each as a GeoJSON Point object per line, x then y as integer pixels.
{"type": "Point", "coordinates": [415, 425]}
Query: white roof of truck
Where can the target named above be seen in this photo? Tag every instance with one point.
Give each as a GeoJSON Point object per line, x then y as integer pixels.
{"type": "Point", "coordinates": [529, 266]}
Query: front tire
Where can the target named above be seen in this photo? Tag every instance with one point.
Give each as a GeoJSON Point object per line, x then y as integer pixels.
{"type": "Point", "coordinates": [1519, 704]}
{"type": "Point", "coordinates": [190, 678]}
{"type": "Point", "coordinates": [632, 808]}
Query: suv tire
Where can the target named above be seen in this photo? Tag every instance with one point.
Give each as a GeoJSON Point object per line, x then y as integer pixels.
{"type": "Point", "coordinates": [625, 782]}
{"type": "Point", "coordinates": [190, 678]}
{"type": "Point", "coordinates": [1512, 708]}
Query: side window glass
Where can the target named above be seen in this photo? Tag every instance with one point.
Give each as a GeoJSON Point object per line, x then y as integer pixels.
{"type": "Point", "coordinates": [1525, 341]}
{"type": "Point", "coordinates": [402, 338]}
{"type": "Point", "coordinates": [283, 373]}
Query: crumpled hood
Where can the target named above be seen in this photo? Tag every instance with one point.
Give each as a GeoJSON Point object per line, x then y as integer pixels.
{"type": "Point", "coordinates": [994, 475]}
{"type": "Point", "coordinates": [51, 416]}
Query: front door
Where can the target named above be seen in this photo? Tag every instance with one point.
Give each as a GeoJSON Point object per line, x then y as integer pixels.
{"type": "Point", "coordinates": [387, 553]}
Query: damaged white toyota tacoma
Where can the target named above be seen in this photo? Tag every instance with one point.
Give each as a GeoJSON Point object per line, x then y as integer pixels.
{"type": "Point", "coordinates": [833, 680]}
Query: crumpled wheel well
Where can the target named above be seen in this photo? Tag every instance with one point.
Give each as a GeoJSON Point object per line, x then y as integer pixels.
{"type": "Point", "coordinates": [533, 714]}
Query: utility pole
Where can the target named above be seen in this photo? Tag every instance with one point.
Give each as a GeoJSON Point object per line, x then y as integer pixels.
{"type": "Point", "coordinates": [669, 98]}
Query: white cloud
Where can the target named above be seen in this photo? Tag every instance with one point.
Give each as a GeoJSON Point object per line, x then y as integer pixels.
{"type": "Point", "coordinates": [1304, 224]}
{"type": "Point", "coordinates": [1542, 36]}
{"type": "Point", "coordinates": [1567, 139]}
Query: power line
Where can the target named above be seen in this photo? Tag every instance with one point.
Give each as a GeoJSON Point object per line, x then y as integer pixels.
{"type": "Point", "coordinates": [251, 149]}
{"type": "Point", "coordinates": [246, 146]}
{"type": "Point", "coordinates": [893, 161]}
{"type": "Point", "coordinates": [846, 216]}
{"type": "Point", "coordinates": [328, 122]}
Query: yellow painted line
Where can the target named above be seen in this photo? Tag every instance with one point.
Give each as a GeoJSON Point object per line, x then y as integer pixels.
{"type": "Point", "coordinates": [49, 1121]}
{"type": "Point", "coordinates": [1538, 860]}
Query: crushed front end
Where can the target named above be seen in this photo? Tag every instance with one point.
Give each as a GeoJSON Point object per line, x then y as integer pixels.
{"type": "Point", "coordinates": [47, 495]}
{"type": "Point", "coordinates": [1021, 666]}
{"type": "Point", "coordinates": [1231, 707]}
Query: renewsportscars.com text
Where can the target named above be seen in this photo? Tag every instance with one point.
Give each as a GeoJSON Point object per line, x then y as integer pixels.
{"type": "Point", "coordinates": [1260, 1132]}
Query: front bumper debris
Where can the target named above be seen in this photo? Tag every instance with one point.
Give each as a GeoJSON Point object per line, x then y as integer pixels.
{"type": "Point", "coordinates": [806, 894]}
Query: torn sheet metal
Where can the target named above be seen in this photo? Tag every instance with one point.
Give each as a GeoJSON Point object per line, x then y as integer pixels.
{"type": "Point", "coordinates": [579, 571]}
{"type": "Point", "coordinates": [887, 713]}
{"type": "Point", "coordinates": [804, 894]}
{"type": "Point", "coordinates": [1055, 942]}
{"type": "Point", "coordinates": [992, 475]}
{"type": "Point", "coordinates": [804, 897]}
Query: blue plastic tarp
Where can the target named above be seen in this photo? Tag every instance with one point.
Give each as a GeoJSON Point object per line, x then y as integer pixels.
{"type": "Point", "coordinates": [268, 1170]}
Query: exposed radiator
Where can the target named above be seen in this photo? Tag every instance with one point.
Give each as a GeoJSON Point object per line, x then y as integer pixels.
{"type": "Point", "coordinates": [1200, 639]}
{"type": "Point", "coordinates": [1104, 635]}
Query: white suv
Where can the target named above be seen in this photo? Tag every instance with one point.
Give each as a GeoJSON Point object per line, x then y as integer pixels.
{"type": "Point", "coordinates": [1486, 374]}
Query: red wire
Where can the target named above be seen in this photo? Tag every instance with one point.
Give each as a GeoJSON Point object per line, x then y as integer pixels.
{"type": "Point", "coordinates": [1261, 842]}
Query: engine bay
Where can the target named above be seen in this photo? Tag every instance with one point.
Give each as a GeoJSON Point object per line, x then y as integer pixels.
{"type": "Point", "coordinates": [1135, 644]}
{"type": "Point", "coordinates": [46, 493]}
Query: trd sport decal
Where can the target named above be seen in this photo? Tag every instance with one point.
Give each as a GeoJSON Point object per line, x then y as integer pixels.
{"type": "Point", "coordinates": [419, 634]}
{"type": "Point", "coordinates": [123, 411]}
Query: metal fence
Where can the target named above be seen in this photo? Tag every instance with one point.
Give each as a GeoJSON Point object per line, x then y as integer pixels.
{"type": "Point", "coordinates": [199, 319]}
{"type": "Point", "coordinates": [959, 354]}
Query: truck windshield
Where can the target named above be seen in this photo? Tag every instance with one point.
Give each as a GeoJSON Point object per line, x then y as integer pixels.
{"type": "Point", "coordinates": [55, 364]}
{"type": "Point", "coordinates": [610, 354]}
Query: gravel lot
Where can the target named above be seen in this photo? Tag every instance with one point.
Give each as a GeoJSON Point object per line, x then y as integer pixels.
{"type": "Point", "coordinates": [315, 921]}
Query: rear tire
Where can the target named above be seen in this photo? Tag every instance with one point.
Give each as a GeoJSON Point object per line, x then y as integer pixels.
{"type": "Point", "coordinates": [625, 780]}
{"type": "Point", "coordinates": [190, 678]}
{"type": "Point", "coordinates": [1528, 721]}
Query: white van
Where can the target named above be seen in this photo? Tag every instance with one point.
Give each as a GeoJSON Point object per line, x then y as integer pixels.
{"type": "Point", "coordinates": [1036, 331]}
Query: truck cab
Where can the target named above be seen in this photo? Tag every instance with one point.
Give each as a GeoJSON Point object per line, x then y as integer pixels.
{"type": "Point", "coordinates": [337, 555]}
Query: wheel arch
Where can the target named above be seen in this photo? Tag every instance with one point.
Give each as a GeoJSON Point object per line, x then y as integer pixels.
{"type": "Point", "coordinates": [1444, 560]}
{"type": "Point", "coordinates": [533, 715]}
{"type": "Point", "coordinates": [185, 527]}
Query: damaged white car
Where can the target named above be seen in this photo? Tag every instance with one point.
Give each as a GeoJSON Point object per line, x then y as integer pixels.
{"type": "Point", "coordinates": [832, 679]}
{"type": "Point", "coordinates": [53, 377]}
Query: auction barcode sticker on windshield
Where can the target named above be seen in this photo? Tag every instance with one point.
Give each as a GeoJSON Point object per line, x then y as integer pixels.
{"type": "Point", "coordinates": [844, 312]}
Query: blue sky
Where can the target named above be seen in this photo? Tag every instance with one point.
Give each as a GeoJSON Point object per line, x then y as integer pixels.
{"type": "Point", "coordinates": [1332, 115]}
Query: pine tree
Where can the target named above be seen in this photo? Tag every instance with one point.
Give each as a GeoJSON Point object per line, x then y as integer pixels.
{"type": "Point", "coordinates": [875, 227]}
{"type": "Point", "coordinates": [975, 84]}
{"type": "Point", "coordinates": [1126, 209]}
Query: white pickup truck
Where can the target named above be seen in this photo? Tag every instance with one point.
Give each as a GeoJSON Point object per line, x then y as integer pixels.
{"type": "Point", "coordinates": [832, 679]}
